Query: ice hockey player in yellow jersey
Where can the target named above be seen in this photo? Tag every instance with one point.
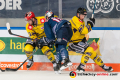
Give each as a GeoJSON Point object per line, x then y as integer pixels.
{"type": "Point", "coordinates": [35, 29]}
{"type": "Point", "coordinates": [79, 43]}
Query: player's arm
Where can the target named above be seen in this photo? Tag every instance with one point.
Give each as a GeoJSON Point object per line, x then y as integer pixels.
{"type": "Point", "coordinates": [90, 23]}
{"type": "Point", "coordinates": [85, 29]}
{"type": "Point", "coordinates": [49, 39]}
{"type": "Point", "coordinates": [77, 27]}
{"type": "Point", "coordinates": [30, 32]}
{"type": "Point", "coordinates": [48, 31]}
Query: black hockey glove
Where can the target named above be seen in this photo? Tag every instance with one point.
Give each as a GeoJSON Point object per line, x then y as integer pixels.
{"type": "Point", "coordinates": [44, 42]}
{"type": "Point", "coordinates": [91, 21]}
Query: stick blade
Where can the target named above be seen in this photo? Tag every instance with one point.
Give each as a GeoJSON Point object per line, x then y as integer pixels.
{"type": "Point", "coordinates": [9, 69]}
{"type": "Point", "coordinates": [8, 25]}
{"type": "Point", "coordinates": [2, 70]}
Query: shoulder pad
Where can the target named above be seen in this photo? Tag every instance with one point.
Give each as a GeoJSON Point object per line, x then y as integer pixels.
{"type": "Point", "coordinates": [42, 20]}
{"type": "Point", "coordinates": [30, 27]}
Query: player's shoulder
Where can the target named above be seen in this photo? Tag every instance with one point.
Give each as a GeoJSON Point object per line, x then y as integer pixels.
{"type": "Point", "coordinates": [74, 17]}
{"type": "Point", "coordinates": [54, 19]}
{"type": "Point", "coordinates": [76, 20]}
{"type": "Point", "coordinates": [29, 27]}
{"type": "Point", "coordinates": [40, 19]}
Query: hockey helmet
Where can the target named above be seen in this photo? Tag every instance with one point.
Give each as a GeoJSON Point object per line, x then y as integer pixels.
{"type": "Point", "coordinates": [49, 14]}
{"type": "Point", "coordinates": [82, 11]}
{"type": "Point", "coordinates": [29, 15]}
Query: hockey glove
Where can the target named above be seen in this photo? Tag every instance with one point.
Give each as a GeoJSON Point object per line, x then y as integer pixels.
{"type": "Point", "coordinates": [91, 21]}
{"type": "Point", "coordinates": [44, 42]}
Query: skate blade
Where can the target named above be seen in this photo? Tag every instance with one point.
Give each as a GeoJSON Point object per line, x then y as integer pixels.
{"type": "Point", "coordinates": [79, 71]}
{"type": "Point", "coordinates": [58, 72]}
{"type": "Point", "coordinates": [63, 67]}
{"type": "Point", "coordinates": [70, 64]}
{"type": "Point", "coordinates": [30, 67]}
{"type": "Point", "coordinates": [110, 70]}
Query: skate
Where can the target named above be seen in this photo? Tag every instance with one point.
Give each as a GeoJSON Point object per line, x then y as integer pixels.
{"type": "Point", "coordinates": [66, 64]}
{"type": "Point", "coordinates": [30, 64]}
{"type": "Point", "coordinates": [79, 69]}
{"type": "Point", "coordinates": [56, 67]}
{"type": "Point", "coordinates": [107, 68]}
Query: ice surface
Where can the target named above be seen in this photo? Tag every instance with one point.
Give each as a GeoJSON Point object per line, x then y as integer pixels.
{"type": "Point", "coordinates": [50, 75]}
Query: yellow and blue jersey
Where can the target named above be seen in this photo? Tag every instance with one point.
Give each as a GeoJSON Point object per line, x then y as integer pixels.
{"type": "Point", "coordinates": [79, 29]}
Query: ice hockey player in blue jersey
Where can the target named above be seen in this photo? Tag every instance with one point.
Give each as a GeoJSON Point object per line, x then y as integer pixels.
{"type": "Point", "coordinates": [60, 32]}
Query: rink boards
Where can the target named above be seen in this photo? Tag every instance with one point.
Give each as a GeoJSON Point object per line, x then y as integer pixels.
{"type": "Point", "coordinates": [107, 39]}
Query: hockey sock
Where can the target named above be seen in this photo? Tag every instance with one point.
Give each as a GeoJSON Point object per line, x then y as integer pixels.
{"type": "Point", "coordinates": [28, 50]}
{"type": "Point", "coordinates": [84, 59]}
{"type": "Point", "coordinates": [62, 50]}
{"type": "Point", "coordinates": [46, 50]}
{"type": "Point", "coordinates": [50, 56]}
{"type": "Point", "coordinates": [58, 57]}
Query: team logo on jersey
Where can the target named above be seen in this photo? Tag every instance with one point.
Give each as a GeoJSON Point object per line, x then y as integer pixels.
{"type": "Point", "coordinates": [42, 20]}
{"type": "Point", "coordinates": [2, 45]}
{"type": "Point", "coordinates": [30, 27]}
{"type": "Point", "coordinates": [104, 6]}
{"type": "Point", "coordinates": [72, 74]}
{"type": "Point", "coordinates": [42, 27]}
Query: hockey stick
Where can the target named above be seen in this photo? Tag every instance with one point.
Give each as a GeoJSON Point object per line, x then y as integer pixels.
{"type": "Point", "coordinates": [93, 10]}
{"type": "Point", "coordinates": [2, 70]}
{"type": "Point", "coordinates": [9, 31]}
{"type": "Point", "coordinates": [10, 69]}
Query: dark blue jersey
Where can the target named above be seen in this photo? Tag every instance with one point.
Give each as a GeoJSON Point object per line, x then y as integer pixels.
{"type": "Point", "coordinates": [52, 26]}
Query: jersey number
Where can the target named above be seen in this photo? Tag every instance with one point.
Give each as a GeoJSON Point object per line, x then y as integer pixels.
{"type": "Point", "coordinates": [56, 19]}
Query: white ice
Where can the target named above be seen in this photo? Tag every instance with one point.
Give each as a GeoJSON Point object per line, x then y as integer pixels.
{"type": "Point", "coordinates": [50, 75]}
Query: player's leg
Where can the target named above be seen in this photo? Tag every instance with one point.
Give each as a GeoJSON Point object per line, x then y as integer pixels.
{"type": "Point", "coordinates": [62, 53]}
{"type": "Point", "coordinates": [46, 50]}
{"type": "Point", "coordinates": [90, 53]}
{"type": "Point", "coordinates": [84, 59]}
{"type": "Point", "coordinates": [99, 61]}
{"type": "Point", "coordinates": [28, 50]}
{"type": "Point", "coordinates": [58, 58]}
{"type": "Point", "coordinates": [80, 47]}
{"type": "Point", "coordinates": [63, 36]}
